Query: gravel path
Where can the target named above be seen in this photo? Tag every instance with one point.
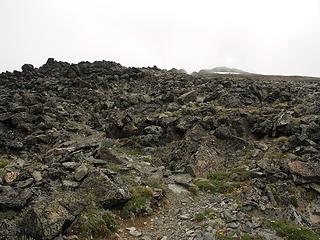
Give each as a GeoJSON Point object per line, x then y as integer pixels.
{"type": "Point", "coordinates": [174, 219]}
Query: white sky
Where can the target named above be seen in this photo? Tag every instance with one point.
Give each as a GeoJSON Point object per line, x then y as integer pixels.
{"type": "Point", "coordinates": [262, 36]}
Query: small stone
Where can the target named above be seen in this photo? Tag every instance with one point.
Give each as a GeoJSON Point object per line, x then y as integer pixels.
{"type": "Point", "coordinates": [71, 237]}
{"type": "Point", "coordinates": [134, 232]}
{"type": "Point", "coordinates": [37, 176]}
{"type": "Point", "coordinates": [256, 152]}
{"type": "Point", "coordinates": [190, 232]}
{"type": "Point", "coordinates": [81, 172]}
{"type": "Point", "coordinates": [184, 217]}
{"type": "Point", "coordinates": [183, 179]}
{"type": "Point", "coordinates": [234, 225]}
{"type": "Point", "coordinates": [264, 147]}
{"type": "Point", "coordinates": [70, 184]}
{"type": "Point", "coordinates": [70, 165]}
{"type": "Point", "coordinates": [209, 229]}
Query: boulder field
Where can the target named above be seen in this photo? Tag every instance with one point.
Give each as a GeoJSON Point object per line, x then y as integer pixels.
{"type": "Point", "coordinates": [101, 151]}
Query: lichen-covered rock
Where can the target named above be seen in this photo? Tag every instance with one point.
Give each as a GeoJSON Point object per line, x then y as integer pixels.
{"type": "Point", "coordinates": [107, 190]}
{"type": "Point", "coordinates": [48, 216]}
{"type": "Point", "coordinates": [305, 171]}
{"type": "Point", "coordinates": [16, 199]}
{"type": "Point", "coordinates": [8, 230]}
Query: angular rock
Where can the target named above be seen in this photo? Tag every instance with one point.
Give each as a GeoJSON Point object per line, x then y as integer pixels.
{"type": "Point", "coordinates": [81, 172]}
{"type": "Point", "coordinates": [106, 153]}
{"type": "Point", "coordinates": [134, 232]}
{"type": "Point", "coordinates": [305, 171]}
{"type": "Point", "coordinates": [188, 97]}
{"type": "Point", "coordinates": [27, 67]}
{"type": "Point", "coordinates": [15, 199]}
{"type": "Point", "coordinates": [109, 191]}
{"type": "Point", "coordinates": [37, 176]}
{"type": "Point", "coordinates": [157, 130]}
{"type": "Point", "coordinates": [183, 179]}
{"type": "Point", "coordinates": [49, 216]}
{"type": "Point", "coordinates": [70, 184]}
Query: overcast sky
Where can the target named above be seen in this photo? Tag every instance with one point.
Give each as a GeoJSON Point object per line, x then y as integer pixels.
{"type": "Point", "coordinates": [262, 36]}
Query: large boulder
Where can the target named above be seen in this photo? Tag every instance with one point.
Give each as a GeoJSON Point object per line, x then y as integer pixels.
{"type": "Point", "coordinates": [49, 216]}
{"type": "Point", "coordinates": [16, 199]}
{"type": "Point", "coordinates": [108, 190]}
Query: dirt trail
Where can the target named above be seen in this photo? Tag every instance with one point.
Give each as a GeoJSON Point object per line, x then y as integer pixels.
{"type": "Point", "coordinates": [173, 220]}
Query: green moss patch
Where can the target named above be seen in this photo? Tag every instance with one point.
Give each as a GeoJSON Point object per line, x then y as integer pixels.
{"type": "Point", "coordinates": [3, 163]}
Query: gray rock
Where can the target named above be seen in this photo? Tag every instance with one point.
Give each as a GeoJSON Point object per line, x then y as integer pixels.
{"type": "Point", "coordinates": [48, 216]}
{"type": "Point", "coordinates": [233, 225]}
{"type": "Point", "coordinates": [184, 217]}
{"type": "Point", "coordinates": [24, 184]}
{"type": "Point", "coordinates": [188, 97]}
{"type": "Point", "coordinates": [109, 191]}
{"type": "Point", "coordinates": [70, 184]}
{"type": "Point", "coordinates": [134, 232]}
{"type": "Point", "coordinates": [157, 130]}
{"type": "Point", "coordinates": [70, 165]}
{"type": "Point", "coordinates": [37, 176]}
{"type": "Point", "coordinates": [27, 67]}
{"type": "Point", "coordinates": [81, 172]}
{"type": "Point", "coordinates": [183, 179]}
{"type": "Point", "coordinates": [107, 154]}
{"type": "Point", "coordinates": [14, 198]}
{"type": "Point", "coordinates": [208, 236]}
{"type": "Point", "coordinates": [305, 171]}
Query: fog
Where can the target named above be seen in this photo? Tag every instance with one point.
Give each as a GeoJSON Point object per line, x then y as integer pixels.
{"type": "Point", "coordinates": [265, 36]}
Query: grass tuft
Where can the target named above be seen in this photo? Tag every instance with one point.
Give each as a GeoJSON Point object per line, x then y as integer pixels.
{"type": "Point", "coordinates": [139, 202]}
{"type": "Point", "coordinates": [96, 222]}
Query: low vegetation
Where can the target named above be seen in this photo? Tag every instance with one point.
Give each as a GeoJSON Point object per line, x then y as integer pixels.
{"type": "Point", "coordinates": [3, 163]}
{"type": "Point", "coordinates": [203, 215]}
{"type": "Point", "coordinates": [139, 203]}
{"type": "Point", "coordinates": [96, 222]}
{"type": "Point", "coordinates": [222, 181]}
{"type": "Point", "coordinates": [243, 237]}
{"type": "Point", "coordinates": [291, 231]}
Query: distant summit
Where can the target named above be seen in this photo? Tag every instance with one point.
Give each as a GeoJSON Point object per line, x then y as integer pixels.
{"type": "Point", "coordinates": [222, 70]}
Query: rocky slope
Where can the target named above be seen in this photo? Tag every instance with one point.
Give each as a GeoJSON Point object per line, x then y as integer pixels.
{"type": "Point", "coordinates": [101, 151]}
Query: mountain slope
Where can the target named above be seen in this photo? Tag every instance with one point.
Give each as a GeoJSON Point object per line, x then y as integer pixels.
{"type": "Point", "coordinates": [101, 151]}
{"type": "Point", "coordinates": [222, 70]}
